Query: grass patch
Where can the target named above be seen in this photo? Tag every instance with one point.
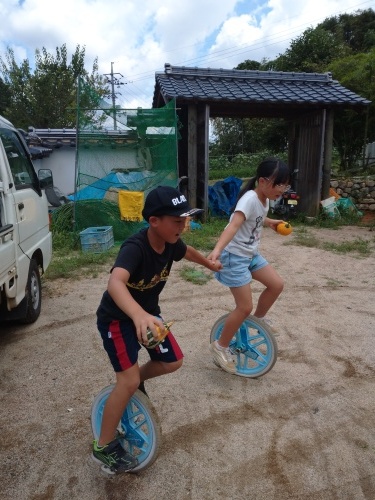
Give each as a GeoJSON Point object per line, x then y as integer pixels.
{"type": "Point", "coordinates": [204, 239]}
{"type": "Point", "coordinates": [358, 245]}
{"type": "Point", "coordinates": [196, 276]}
{"type": "Point", "coordinates": [74, 264]}
{"type": "Point", "coordinates": [304, 238]}
{"type": "Point", "coordinates": [69, 262]}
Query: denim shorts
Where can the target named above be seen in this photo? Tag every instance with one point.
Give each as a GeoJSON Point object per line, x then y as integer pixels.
{"type": "Point", "coordinates": [237, 270]}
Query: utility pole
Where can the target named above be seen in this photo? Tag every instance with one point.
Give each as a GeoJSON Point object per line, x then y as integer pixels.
{"type": "Point", "coordinates": [114, 79]}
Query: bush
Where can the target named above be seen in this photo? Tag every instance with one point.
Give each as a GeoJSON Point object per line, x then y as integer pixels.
{"type": "Point", "coordinates": [243, 165]}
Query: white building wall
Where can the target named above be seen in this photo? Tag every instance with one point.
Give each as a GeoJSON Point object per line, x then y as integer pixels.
{"type": "Point", "coordinates": [61, 162]}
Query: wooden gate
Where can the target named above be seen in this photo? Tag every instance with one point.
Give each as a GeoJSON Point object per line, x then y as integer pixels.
{"type": "Point", "coordinates": [306, 155]}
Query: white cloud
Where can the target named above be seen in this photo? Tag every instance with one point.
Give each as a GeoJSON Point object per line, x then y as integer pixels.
{"type": "Point", "coordinates": [139, 37]}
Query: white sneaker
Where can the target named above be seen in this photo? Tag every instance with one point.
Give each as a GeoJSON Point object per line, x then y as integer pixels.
{"type": "Point", "coordinates": [223, 357]}
{"type": "Point", "coordinates": [267, 320]}
{"type": "Point", "coordinates": [269, 324]}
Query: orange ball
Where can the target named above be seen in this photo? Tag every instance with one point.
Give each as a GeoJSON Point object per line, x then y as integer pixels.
{"type": "Point", "coordinates": [284, 228]}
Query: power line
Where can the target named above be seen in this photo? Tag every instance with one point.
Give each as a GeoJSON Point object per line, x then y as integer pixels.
{"type": "Point", "coordinates": [114, 79]}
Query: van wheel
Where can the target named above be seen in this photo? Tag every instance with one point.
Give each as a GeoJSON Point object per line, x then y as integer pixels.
{"type": "Point", "coordinates": [33, 294]}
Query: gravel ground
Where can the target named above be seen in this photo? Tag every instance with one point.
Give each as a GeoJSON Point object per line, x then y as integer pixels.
{"type": "Point", "coordinates": [303, 431]}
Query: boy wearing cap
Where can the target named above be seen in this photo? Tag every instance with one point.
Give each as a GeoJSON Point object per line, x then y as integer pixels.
{"type": "Point", "coordinates": [130, 306]}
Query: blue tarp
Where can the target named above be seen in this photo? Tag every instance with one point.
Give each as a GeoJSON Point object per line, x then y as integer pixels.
{"type": "Point", "coordinates": [131, 181]}
{"type": "Point", "coordinates": [223, 195]}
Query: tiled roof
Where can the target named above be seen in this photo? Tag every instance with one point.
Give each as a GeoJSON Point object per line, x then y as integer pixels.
{"type": "Point", "coordinates": [257, 87]}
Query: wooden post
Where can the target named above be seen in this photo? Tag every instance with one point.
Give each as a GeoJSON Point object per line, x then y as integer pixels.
{"type": "Point", "coordinates": [327, 161]}
{"type": "Point", "coordinates": [192, 155]}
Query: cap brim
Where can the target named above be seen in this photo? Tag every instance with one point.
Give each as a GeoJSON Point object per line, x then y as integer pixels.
{"type": "Point", "coordinates": [191, 212]}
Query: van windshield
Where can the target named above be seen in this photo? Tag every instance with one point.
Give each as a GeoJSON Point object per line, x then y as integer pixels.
{"type": "Point", "coordinates": [20, 164]}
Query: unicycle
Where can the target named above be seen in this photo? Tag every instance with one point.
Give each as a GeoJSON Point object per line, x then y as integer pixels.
{"type": "Point", "coordinates": [139, 426]}
{"type": "Point", "coordinates": [253, 347]}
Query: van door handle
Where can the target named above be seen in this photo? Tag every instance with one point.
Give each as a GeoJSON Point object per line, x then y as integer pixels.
{"type": "Point", "coordinates": [21, 206]}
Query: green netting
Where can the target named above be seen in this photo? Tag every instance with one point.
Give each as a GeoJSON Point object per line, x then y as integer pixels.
{"type": "Point", "coordinates": [125, 149]}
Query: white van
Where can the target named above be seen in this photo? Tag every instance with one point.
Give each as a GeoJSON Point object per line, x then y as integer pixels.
{"type": "Point", "coordinates": [25, 237]}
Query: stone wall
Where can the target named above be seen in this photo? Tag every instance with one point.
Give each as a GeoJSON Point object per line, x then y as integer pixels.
{"type": "Point", "coordinates": [360, 189]}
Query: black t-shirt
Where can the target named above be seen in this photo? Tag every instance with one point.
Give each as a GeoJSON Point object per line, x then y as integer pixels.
{"type": "Point", "coordinates": [148, 271]}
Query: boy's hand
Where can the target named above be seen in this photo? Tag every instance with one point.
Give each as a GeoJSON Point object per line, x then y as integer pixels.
{"type": "Point", "coordinates": [142, 323]}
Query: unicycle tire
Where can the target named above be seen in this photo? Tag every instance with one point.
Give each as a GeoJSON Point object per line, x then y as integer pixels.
{"type": "Point", "coordinates": [139, 424]}
{"type": "Point", "coordinates": [254, 347]}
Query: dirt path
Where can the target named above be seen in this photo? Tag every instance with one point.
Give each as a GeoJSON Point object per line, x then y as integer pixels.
{"type": "Point", "coordinates": [303, 431]}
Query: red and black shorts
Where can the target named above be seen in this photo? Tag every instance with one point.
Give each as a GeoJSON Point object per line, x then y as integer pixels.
{"type": "Point", "coordinates": [122, 346]}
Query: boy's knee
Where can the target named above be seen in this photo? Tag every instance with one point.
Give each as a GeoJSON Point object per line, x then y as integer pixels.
{"type": "Point", "coordinates": [128, 383]}
{"type": "Point", "coordinates": [172, 367]}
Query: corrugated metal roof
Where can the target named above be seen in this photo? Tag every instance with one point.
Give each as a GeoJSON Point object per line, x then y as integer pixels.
{"type": "Point", "coordinates": [266, 87]}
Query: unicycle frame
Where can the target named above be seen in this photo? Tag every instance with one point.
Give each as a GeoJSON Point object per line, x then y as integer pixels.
{"type": "Point", "coordinates": [139, 424]}
{"type": "Point", "coordinates": [253, 346]}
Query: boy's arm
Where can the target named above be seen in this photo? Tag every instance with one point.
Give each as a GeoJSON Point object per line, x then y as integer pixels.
{"type": "Point", "coordinates": [194, 256]}
{"type": "Point", "coordinates": [119, 292]}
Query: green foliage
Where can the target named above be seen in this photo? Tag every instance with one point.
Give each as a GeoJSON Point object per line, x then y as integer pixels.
{"type": "Point", "coordinates": [71, 263]}
{"type": "Point", "coordinates": [356, 72]}
{"type": "Point", "coordinates": [242, 136]}
{"type": "Point", "coordinates": [46, 97]}
{"type": "Point", "coordinates": [204, 239]}
{"type": "Point", "coordinates": [4, 97]}
{"type": "Point", "coordinates": [219, 163]}
{"type": "Point", "coordinates": [250, 65]}
{"type": "Point", "coordinates": [242, 165]}
{"type": "Point", "coordinates": [68, 260]}
{"type": "Point", "coordinates": [91, 213]}
{"type": "Point", "coordinates": [347, 217]}
{"type": "Point", "coordinates": [312, 51]}
{"type": "Point", "coordinates": [356, 30]}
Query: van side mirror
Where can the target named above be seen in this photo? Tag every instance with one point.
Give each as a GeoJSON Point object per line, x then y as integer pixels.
{"type": "Point", "coordinates": [45, 178]}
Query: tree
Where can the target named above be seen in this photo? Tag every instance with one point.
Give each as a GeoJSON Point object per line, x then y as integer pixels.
{"type": "Point", "coordinates": [250, 64]}
{"type": "Point", "coordinates": [357, 30]}
{"type": "Point", "coordinates": [311, 52]}
{"type": "Point", "coordinates": [352, 130]}
{"type": "Point", "coordinates": [4, 96]}
{"type": "Point", "coordinates": [46, 98]}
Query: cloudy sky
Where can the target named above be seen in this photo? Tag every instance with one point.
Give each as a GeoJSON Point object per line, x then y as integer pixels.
{"type": "Point", "coordinates": [140, 36]}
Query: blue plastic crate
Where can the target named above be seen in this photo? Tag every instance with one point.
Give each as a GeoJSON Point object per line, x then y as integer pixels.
{"type": "Point", "coordinates": [97, 239]}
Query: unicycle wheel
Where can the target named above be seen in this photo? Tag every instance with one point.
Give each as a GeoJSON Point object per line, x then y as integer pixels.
{"type": "Point", "coordinates": [254, 347]}
{"type": "Point", "coordinates": [139, 425]}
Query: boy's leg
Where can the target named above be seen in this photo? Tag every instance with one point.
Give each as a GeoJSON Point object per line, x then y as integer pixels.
{"type": "Point", "coordinates": [153, 369]}
{"type": "Point", "coordinates": [126, 384]}
{"type": "Point", "coordinates": [274, 286]}
{"type": "Point", "coordinates": [165, 358]}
